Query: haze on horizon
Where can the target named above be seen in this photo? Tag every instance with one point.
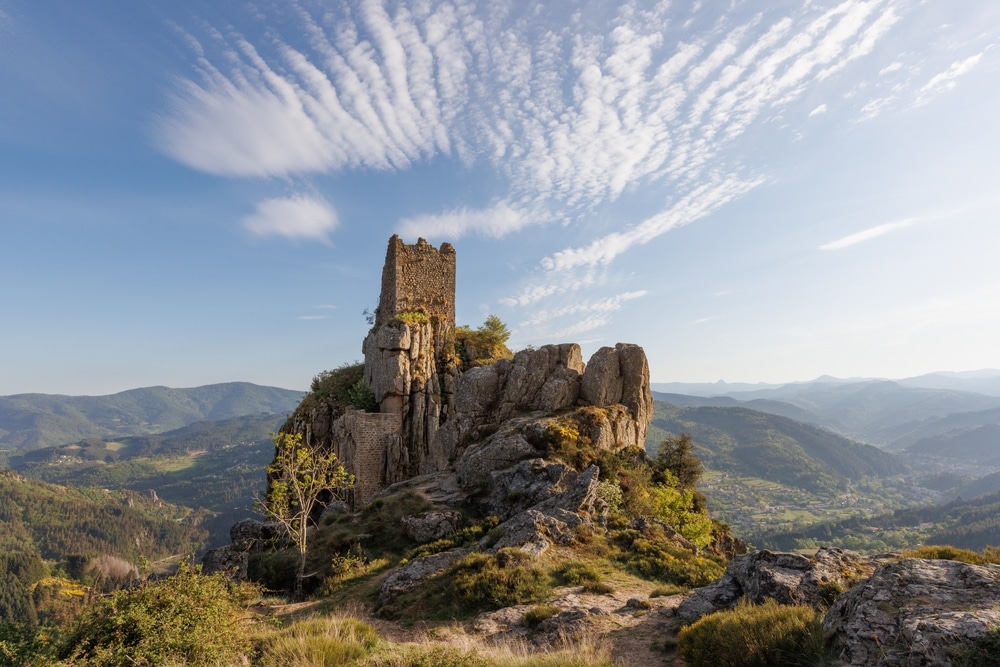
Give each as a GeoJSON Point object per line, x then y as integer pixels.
{"type": "Point", "coordinates": [201, 194]}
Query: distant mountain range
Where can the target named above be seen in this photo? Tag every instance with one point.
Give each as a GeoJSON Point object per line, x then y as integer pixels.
{"type": "Point", "coordinates": [886, 413]}
{"type": "Point", "coordinates": [773, 447]}
{"type": "Point", "coordinates": [985, 381]}
{"type": "Point", "coordinates": [33, 421]}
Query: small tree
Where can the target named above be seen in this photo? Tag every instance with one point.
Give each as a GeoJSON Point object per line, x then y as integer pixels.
{"type": "Point", "coordinates": [677, 455]}
{"type": "Point", "coordinates": [302, 481]}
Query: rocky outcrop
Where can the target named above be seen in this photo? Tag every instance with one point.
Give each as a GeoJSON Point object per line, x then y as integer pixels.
{"type": "Point", "coordinates": [556, 519]}
{"type": "Point", "coordinates": [226, 560]}
{"type": "Point", "coordinates": [429, 526]}
{"type": "Point", "coordinates": [411, 368]}
{"type": "Point", "coordinates": [620, 375]}
{"type": "Point", "coordinates": [413, 573]}
{"type": "Point", "coordinates": [544, 380]}
{"type": "Point", "coordinates": [786, 578]}
{"type": "Point", "coordinates": [915, 612]}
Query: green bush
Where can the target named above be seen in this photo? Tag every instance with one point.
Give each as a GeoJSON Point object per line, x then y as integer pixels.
{"type": "Point", "coordinates": [766, 635]}
{"type": "Point", "coordinates": [184, 619]}
{"type": "Point", "coordinates": [652, 555]}
{"type": "Point", "coordinates": [480, 581]}
{"type": "Point", "coordinates": [344, 387]}
{"type": "Point", "coordinates": [576, 573]}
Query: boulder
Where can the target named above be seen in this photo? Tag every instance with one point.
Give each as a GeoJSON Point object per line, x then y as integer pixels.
{"type": "Point", "coordinates": [555, 520]}
{"type": "Point", "coordinates": [524, 485]}
{"type": "Point", "coordinates": [501, 450]}
{"type": "Point", "coordinates": [786, 578]}
{"type": "Point", "coordinates": [411, 574]}
{"type": "Point", "coordinates": [227, 560]}
{"type": "Point", "coordinates": [430, 526]}
{"type": "Point", "coordinates": [915, 612]}
{"type": "Point", "coordinates": [252, 535]}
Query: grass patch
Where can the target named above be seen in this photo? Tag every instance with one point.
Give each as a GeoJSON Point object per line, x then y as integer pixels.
{"type": "Point", "coordinates": [329, 640]}
{"type": "Point", "coordinates": [482, 582]}
{"type": "Point", "coordinates": [766, 635]}
{"type": "Point", "coordinates": [946, 552]}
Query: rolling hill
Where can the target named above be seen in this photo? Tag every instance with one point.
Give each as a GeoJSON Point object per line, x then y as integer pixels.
{"type": "Point", "coordinates": [33, 421]}
{"type": "Point", "coordinates": [214, 468]}
{"type": "Point", "coordinates": [772, 447]}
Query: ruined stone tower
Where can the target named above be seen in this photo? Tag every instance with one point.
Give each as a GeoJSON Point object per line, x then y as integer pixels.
{"type": "Point", "coordinates": [410, 352]}
{"type": "Point", "coordinates": [417, 279]}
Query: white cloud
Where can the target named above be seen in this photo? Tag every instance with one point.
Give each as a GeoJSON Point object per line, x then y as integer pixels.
{"type": "Point", "coordinates": [821, 109]}
{"type": "Point", "coordinates": [494, 222]}
{"type": "Point", "coordinates": [313, 317]}
{"type": "Point", "coordinates": [890, 68]}
{"type": "Point", "coordinates": [325, 307]}
{"type": "Point", "coordinates": [296, 217]}
{"type": "Point", "coordinates": [946, 80]}
{"type": "Point", "coordinates": [868, 234]}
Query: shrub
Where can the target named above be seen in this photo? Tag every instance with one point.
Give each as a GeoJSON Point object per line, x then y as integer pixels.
{"type": "Point", "coordinates": [412, 317]}
{"type": "Point", "coordinates": [766, 635]}
{"type": "Point", "coordinates": [344, 387]}
{"type": "Point", "coordinates": [184, 619]}
{"type": "Point", "coordinates": [480, 581]}
{"type": "Point", "coordinates": [576, 573]}
{"type": "Point", "coordinates": [984, 653]}
{"type": "Point", "coordinates": [652, 555]}
{"type": "Point", "coordinates": [598, 587]}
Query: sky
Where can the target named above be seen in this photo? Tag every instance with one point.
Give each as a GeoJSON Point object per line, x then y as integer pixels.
{"type": "Point", "coordinates": [196, 192]}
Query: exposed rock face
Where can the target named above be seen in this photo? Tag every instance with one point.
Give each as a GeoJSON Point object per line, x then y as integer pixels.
{"type": "Point", "coordinates": [546, 379]}
{"type": "Point", "coordinates": [620, 375]}
{"type": "Point", "coordinates": [228, 560]}
{"type": "Point", "coordinates": [786, 578]}
{"type": "Point", "coordinates": [429, 526]}
{"type": "Point", "coordinates": [554, 520]}
{"type": "Point", "coordinates": [409, 576]}
{"type": "Point", "coordinates": [412, 372]}
{"type": "Point", "coordinates": [915, 612]}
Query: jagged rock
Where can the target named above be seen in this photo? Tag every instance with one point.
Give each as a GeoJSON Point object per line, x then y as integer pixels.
{"type": "Point", "coordinates": [228, 560]}
{"type": "Point", "coordinates": [620, 375]}
{"type": "Point", "coordinates": [441, 489]}
{"type": "Point", "coordinates": [546, 379]}
{"type": "Point", "coordinates": [252, 535]}
{"type": "Point", "coordinates": [553, 521]}
{"type": "Point", "coordinates": [915, 612]}
{"type": "Point", "coordinates": [430, 526]}
{"type": "Point", "coordinates": [414, 572]}
{"type": "Point", "coordinates": [504, 448]}
{"type": "Point", "coordinates": [786, 578]}
{"type": "Point", "coordinates": [528, 483]}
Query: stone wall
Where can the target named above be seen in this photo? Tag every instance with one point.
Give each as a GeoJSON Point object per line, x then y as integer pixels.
{"type": "Point", "coordinates": [375, 437]}
{"type": "Point", "coordinates": [417, 278]}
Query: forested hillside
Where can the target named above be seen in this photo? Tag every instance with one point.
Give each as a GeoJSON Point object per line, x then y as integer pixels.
{"type": "Point", "coordinates": [32, 421]}
{"type": "Point", "coordinates": [58, 522]}
{"type": "Point", "coordinates": [770, 447]}
{"type": "Point", "coordinates": [216, 468]}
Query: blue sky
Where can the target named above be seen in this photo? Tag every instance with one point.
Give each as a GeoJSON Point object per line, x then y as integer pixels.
{"type": "Point", "coordinates": [197, 192]}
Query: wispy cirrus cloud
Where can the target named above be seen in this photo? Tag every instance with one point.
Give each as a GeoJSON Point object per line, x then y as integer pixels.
{"type": "Point", "coordinates": [868, 234]}
{"type": "Point", "coordinates": [296, 217]}
{"type": "Point", "coordinates": [572, 114]}
{"type": "Point", "coordinates": [946, 80]}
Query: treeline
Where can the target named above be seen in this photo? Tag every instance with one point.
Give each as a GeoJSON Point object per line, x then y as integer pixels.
{"type": "Point", "coordinates": [967, 524]}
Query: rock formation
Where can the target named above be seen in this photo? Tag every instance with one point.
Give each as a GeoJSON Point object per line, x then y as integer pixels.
{"type": "Point", "coordinates": [916, 612]}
